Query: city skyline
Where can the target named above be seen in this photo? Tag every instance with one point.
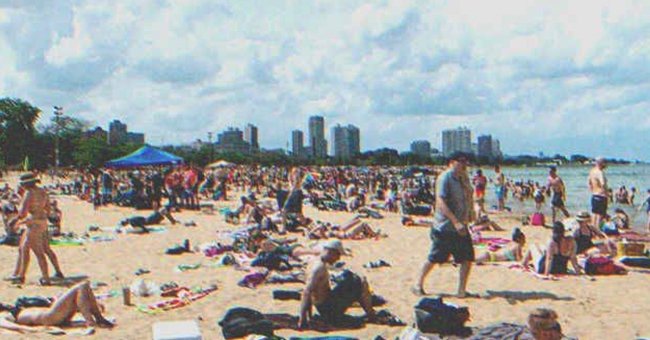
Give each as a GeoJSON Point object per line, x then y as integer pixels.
{"type": "Point", "coordinates": [399, 70]}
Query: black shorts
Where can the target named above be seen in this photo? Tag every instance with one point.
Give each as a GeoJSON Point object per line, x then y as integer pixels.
{"type": "Point", "coordinates": [557, 201]}
{"type": "Point", "coordinates": [445, 243]}
{"type": "Point", "coordinates": [347, 292]}
{"type": "Point", "coordinates": [599, 205]}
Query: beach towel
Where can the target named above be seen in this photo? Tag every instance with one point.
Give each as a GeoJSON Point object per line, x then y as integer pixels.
{"type": "Point", "coordinates": [554, 277]}
{"type": "Point", "coordinates": [181, 301]}
{"type": "Point", "coordinates": [185, 267]}
{"type": "Point", "coordinates": [636, 261]}
{"type": "Point", "coordinates": [67, 242]}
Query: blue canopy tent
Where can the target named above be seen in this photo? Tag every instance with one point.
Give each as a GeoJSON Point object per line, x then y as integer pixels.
{"type": "Point", "coordinates": [145, 156]}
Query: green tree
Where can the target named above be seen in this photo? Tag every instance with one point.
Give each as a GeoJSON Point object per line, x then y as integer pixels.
{"type": "Point", "coordinates": [17, 132]}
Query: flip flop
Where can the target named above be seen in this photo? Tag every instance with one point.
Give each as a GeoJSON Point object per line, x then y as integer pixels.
{"type": "Point", "coordinates": [418, 291]}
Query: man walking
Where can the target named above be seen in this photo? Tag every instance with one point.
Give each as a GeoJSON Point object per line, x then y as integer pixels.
{"type": "Point", "coordinates": [557, 189]}
{"type": "Point", "coordinates": [449, 234]}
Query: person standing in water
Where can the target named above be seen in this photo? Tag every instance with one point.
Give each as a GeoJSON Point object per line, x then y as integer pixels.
{"type": "Point", "coordinates": [557, 189]}
{"type": "Point", "coordinates": [598, 187]}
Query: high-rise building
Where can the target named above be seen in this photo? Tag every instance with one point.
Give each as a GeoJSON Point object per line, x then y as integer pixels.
{"type": "Point", "coordinates": [232, 140]}
{"type": "Point", "coordinates": [297, 141]}
{"type": "Point", "coordinates": [117, 133]}
{"type": "Point", "coordinates": [485, 146]}
{"type": "Point", "coordinates": [345, 141]}
{"type": "Point", "coordinates": [250, 136]}
{"type": "Point", "coordinates": [135, 137]}
{"type": "Point", "coordinates": [317, 141]}
{"type": "Point", "coordinates": [421, 148]}
{"type": "Point", "coordinates": [496, 149]}
{"type": "Point", "coordinates": [455, 140]}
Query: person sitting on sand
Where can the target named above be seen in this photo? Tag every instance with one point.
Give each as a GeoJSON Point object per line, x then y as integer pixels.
{"type": "Point", "coordinates": [484, 223]}
{"type": "Point", "coordinates": [330, 303]}
{"type": "Point", "coordinates": [584, 235]}
{"type": "Point", "coordinates": [514, 252]}
{"type": "Point", "coordinates": [9, 212]}
{"type": "Point", "coordinates": [155, 218]}
{"type": "Point", "coordinates": [554, 259]}
{"type": "Point", "coordinates": [543, 325]}
{"type": "Point", "coordinates": [79, 298]}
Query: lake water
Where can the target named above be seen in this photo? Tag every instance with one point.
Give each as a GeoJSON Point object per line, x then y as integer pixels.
{"type": "Point", "coordinates": [578, 195]}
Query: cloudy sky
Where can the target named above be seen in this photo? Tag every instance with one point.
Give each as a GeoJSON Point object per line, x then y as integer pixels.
{"type": "Point", "coordinates": [551, 76]}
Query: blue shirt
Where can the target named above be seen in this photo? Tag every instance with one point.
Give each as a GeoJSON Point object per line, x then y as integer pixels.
{"type": "Point", "coordinates": [450, 190]}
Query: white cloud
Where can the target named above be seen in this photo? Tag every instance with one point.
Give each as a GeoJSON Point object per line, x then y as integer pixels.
{"type": "Point", "coordinates": [535, 74]}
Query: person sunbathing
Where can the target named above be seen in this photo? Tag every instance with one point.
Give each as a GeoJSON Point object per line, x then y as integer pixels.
{"type": "Point", "coordinates": [554, 259]}
{"type": "Point", "coordinates": [484, 223]}
{"type": "Point", "coordinates": [330, 303]}
{"type": "Point", "coordinates": [79, 298]}
{"type": "Point", "coordinates": [514, 252]}
{"type": "Point", "coordinates": [155, 218]}
{"type": "Point", "coordinates": [356, 229]}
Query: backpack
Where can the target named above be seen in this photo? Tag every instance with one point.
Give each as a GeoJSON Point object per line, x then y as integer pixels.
{"type": "Point", "coordinates": [435, 316]}
{"type": "Point", "coordinates": [537, 219]}
{"type": "Point", "coordinates": [240, 322]}
{"type": "Point", "coordinates": [602, 266]}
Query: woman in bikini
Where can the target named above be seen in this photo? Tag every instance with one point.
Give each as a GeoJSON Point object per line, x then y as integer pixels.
{"type": "Point", "coordinates": [584, 236]}
{"type": "Point", "coordinates": [36, 205]}
{"type": "Point", "coordinates": [79, 298]}
{"type": "Point", "coordinates": [514, 252]}
{"type": "Point", "coordinates": [554, 259]}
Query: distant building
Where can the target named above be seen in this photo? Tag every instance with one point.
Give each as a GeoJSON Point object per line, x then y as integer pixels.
{"type": "Point", "coordinates": [474, 148]}
{"type": "Point", "coordinates": [345, 142]}
{"type": "Point", "coordinates": [317, 141]}
{"type": "Point", "coordinates": [421, 148]}
{"type": "Point", "coordinates": [250, 136]}
{"type": "Point", "coordinates": [232, 140]}
{"type": "Point", "coordinates": [97, 133]}
{"type": "Point", "coordinates": [117, 133]}
{"type": "Point", "coordinates": [455, 140]}
{"type": "Point", "coordinates": [496, 149]}
{"type": "Point", "coordinates": [297, 143]}
{"type": "Point", "coordinates": [485, 146]}
{"type": "Point", "coordinates": [135, 137]}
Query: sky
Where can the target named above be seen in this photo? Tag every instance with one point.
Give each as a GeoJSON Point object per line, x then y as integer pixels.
{"type": "Point", "coordinates": [542, 76]}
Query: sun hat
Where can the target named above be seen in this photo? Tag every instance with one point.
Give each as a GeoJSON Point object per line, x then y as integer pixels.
{"type": "Point", "coordinates": [28, 178]}
{"type": "Point", "coordinates": [583, 216]}
{"type": "Point", "coordinates": [334, 245]}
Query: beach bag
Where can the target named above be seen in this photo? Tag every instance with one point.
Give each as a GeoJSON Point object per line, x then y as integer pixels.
{"type": "Point", "coordinates": [537, 219]}
{"type": "Point", "coordinates": [435, 316]}
{"type": "Point", "coordinates": [629, 249]}
{"type": "Point", "coordinates": [240, 322]}
{"type": "Point", "coordinates": [602, 266]}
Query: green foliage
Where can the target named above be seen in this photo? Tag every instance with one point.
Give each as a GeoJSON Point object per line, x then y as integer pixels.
{"type": "Point", "coordinates": [17, 132]}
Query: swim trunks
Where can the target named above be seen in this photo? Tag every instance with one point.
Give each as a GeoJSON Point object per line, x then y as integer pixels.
{"type": "Point", "coordinates": [599, 205]}
{"type": "Point", "coordinates": [445, 243]}
{"type": "Point", "coordinates": [347, 292]}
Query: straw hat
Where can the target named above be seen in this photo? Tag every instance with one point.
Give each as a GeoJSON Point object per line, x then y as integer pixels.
{"type": "Point", "coordinates": [583, 216]}
{"type": "Point", "coordinates": [28, 178]}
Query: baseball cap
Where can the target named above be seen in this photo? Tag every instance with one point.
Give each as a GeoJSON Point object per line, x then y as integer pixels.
{"type": "Point", "coordinates": [334, 245]}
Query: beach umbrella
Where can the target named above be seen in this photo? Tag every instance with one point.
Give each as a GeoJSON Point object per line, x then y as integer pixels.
{"type": "Point", "coordinates": [221, 164]}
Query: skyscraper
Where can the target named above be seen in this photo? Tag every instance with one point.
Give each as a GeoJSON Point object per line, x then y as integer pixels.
{"type": "Point", "coordinates": [232, 140]}
{"type": "Point", "coordinates": [459, 139]}
{"type": "Point", "coordinates": [485, 146]}
{"type": "Point", "coordinates": [421, 148]}
{"type": "Point", "coordinates": [345, 141]}
{"type": "Point", "coordinates": [317, 141]}
{"type": "Point", "coordinates": [250, 136]}
{"type": "Point", "coordinates": [117, 133]}
{"type": "Point", "coordinates": [297, 141]}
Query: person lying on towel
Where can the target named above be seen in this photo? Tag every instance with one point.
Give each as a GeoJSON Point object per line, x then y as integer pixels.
{"type": "Point", "coordinates": [155, 218]}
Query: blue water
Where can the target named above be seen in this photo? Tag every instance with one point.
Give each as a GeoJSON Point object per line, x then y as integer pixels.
{"type": "Point", "coordinates": [578, 195]}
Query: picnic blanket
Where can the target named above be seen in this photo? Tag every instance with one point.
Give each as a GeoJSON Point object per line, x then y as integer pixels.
{"type": "Point", "coordinates": [183, 299]}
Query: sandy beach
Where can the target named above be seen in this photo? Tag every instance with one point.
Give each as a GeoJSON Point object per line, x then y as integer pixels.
{"type": "Point", "coordinates": [614, 306]}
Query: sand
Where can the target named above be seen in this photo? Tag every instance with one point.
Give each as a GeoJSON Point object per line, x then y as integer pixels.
{"type": "Point", "coordinates": [616, 307]}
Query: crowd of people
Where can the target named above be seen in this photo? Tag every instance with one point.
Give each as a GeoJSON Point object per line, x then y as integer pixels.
{"type": "Point", "coordinates": [273, 204]}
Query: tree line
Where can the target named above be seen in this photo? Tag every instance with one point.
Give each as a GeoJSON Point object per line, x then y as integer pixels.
{"type": "Point", "coordinates": [25, 145]}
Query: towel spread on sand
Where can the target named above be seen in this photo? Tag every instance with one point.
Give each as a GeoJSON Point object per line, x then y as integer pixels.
{"type": "Point", "coordinates": [182, 300]}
